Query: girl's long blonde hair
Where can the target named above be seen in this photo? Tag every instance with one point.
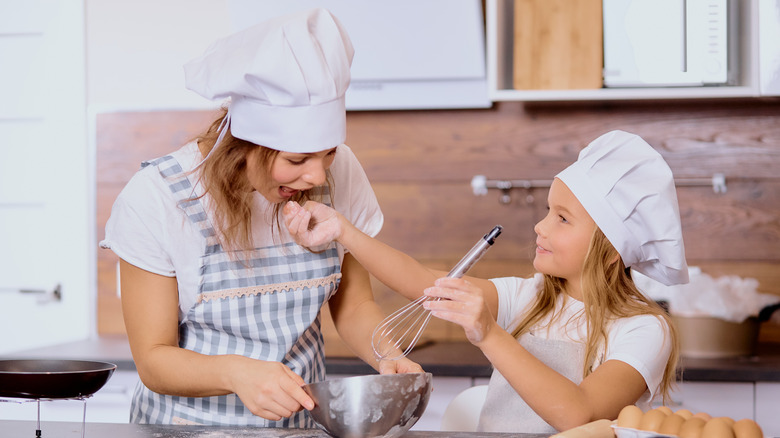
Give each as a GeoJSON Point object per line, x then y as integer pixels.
{"type": "Point", "coordinates": [223, 177]}
{"type": "Point", "coordinates": [608, 294]}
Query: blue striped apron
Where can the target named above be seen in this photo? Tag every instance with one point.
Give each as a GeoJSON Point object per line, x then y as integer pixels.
{"type": "Point", "coordinates": [265, 306]}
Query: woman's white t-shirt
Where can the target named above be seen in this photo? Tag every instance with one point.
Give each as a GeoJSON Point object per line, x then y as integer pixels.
{"type": "Point", "coordinates": [642, 342]}
{"type": "Point", "coordinates": [149, 230]}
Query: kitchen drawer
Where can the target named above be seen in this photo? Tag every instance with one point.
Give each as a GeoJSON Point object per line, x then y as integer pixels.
{"type": "Point", "coordinates": [768, 408]}
{"type": "Point", "coordinates": [719, 399]}
{"type": "Point", "coordinates": [444, 390]}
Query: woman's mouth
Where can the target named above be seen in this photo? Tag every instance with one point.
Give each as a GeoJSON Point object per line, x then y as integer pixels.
{"type": "Point", "coordinates": [287, 192]}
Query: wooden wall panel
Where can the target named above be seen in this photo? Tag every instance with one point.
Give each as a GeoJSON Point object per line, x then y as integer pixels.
{"type": "Point", "coordinates": [421, 164]}
{"type": "Point", "coordinates": [534, 142]}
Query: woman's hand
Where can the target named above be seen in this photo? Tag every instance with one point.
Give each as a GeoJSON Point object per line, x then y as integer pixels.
{"type": "Point", "coordinates": [313, 224]}
{"type": "Point", "coordinates": [462, 303]}
{"type": "Point", "coordinates": [268, 389]}
{"type": "Point", "coordinates": [398, 366]}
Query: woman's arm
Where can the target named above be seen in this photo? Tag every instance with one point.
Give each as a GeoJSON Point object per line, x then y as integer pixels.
{"type": "Point", "coordinates": [356, 314]}
{"type": "Point", "coordinates": [150, 308]}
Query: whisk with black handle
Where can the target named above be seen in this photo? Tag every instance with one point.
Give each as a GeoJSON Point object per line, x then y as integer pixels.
{"type": "Point", "coordinates": [397, 334]}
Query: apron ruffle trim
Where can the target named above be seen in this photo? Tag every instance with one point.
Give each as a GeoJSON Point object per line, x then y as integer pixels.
{"type": "Point", "coordinates": [268, 288]}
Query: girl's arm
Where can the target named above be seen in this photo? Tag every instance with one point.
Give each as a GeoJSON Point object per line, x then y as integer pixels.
{"type": "Point", "coordinates": [556, 399]}
{"type": "Point", "coordinates": [315, 224]}
{"type": "Point", "coordinates": [356, 314]}
{"type": "Point", "coordinates": [150, 308]}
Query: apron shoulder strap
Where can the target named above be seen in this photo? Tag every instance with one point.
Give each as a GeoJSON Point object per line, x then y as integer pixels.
{"type": "Point", "coordinates": [184, 194]}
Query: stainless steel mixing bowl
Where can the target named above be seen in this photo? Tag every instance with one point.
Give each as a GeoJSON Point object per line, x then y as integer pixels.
{"type": "Point", "coordinates": [370, 406]}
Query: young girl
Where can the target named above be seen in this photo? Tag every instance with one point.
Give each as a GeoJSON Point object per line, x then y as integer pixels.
{"type": "Point", "coordinates": [577, 341]}
{"type": "Point", "coordinates": [222, 308]}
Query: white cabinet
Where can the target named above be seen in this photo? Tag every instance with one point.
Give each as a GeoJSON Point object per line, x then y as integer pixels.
{"type": "Point", "coordinates": [719, 399]}
{"type": "Point", "coordinates": [759, 401]}
{"type": "Point", "coordinates": [768, 407]}
{"type": "Point", "coordinates": [756, 70]}
{"type": "Point", "coordinates": [444, 390]}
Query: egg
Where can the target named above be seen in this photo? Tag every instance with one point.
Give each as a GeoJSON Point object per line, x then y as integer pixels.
{"type": "Point", "coordinates": [717, 428]}
{"type": "Point", "coordinates": [692, 428]}
{"type": "Point", "coordinates": [629, 416]}
{"type": "Point", "coordinates": [666, 409]}
{"type": "Point", "coordinates": [747, 428]}
{"type": "Point", "coordinates": [728, 420]}
{"type": "Point", "coordinates": [684, 413]}
{"type": "Point", "coordinates": [703, 415]}
{"type": "Point", "coordinates": [652, 419]}
{"type": "Point", "coordinates": [671, 424]}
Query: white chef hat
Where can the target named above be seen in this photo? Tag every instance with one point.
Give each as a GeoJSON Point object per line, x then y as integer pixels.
{"type": "Point", "coordinates": [628, 190]}
{"type": "Point", "coordinates": [286, 79]}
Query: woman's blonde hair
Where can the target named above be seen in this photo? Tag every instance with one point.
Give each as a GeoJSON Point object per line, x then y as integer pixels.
{"type": "Point", "coordinates": [608, 293]}
{"type": "Point", "coordinates": [224, 178]}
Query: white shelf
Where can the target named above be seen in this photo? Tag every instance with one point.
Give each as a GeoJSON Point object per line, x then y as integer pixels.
{"type": "Point", "coordinates": [626, 93]}
{"type": "Point", "coordinates": [499, 40]}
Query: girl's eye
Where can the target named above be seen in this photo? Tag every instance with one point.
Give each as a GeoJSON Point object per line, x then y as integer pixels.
{"type": "Point", "coordinates": [563, 219]}
{"type": "Point", "coordinates": [296, 161]}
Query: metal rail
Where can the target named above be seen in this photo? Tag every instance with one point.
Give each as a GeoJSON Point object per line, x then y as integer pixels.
{"type": "Point", "coordinates": [480, 185]}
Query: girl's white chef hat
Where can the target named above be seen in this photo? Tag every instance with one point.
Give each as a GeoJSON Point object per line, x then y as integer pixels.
{"type": "Point", "coordinates": [628, 190]}
{"type": "Point", "coordinates": [286, 79]}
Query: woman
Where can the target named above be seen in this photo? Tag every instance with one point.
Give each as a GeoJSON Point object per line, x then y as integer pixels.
{"type": "Point", "coordinates": [222, 307]}
{"type": "Point", "coordinates": [577, 341]}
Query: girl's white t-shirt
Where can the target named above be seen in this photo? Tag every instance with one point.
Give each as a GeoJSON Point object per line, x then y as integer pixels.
{"type": "Point", "coordinates": [642, 341]}
{"type": "Point", "coordinates": [148, 229]}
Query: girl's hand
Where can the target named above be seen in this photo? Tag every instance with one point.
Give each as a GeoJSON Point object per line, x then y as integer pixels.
{"type": "Point", "coordinates": [398, 366]}
{"type": "Point", "coordinates": [312, 225]}
{"type": "Point", "coordinates": [268, 389]}
{"type": "Point", "coordinates": [461, 303]}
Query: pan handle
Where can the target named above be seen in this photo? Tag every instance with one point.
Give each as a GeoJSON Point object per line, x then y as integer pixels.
{"type": "Point", "coordinates": [767, 312]}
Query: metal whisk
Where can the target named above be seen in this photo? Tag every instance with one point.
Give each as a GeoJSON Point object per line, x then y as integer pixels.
{"type": "Point", "coordinates": [397, 334]}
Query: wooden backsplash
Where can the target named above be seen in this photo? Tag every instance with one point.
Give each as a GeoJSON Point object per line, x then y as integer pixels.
{"type": "Point", "coordinates": [421, 164]}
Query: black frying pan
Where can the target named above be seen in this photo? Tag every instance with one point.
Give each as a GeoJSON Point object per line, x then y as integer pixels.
{"type": "Point", "coordinates": [45, 379]}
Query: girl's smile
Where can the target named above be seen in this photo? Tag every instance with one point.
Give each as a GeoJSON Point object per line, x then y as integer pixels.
{"type": "Point", "coordinates": [541, 250]}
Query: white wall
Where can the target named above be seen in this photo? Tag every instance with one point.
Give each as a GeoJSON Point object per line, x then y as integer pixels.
{"type": "Point", "coordinates": [136, 50]}
{"type": "Point", "coordinates": [409, 53]}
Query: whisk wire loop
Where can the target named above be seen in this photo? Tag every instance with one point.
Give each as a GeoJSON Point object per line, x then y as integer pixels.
{"type": "Point", "coordinates": [391, 338]}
